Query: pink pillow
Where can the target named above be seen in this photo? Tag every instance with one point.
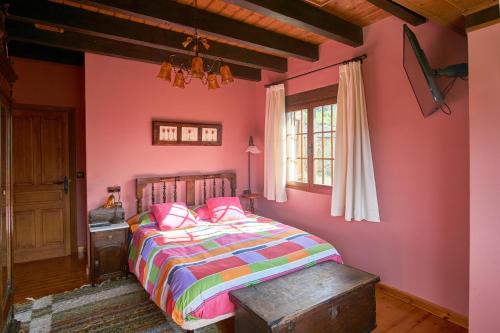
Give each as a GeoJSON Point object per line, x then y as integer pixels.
{"type": "Point", "coordinates": [172, 215]}
{"type": "Point", "coordinates": [224, 209]}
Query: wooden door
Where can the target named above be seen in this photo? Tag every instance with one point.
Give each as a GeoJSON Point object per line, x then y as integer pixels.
{"type": "Point", "coordinates": [5, 215]}
{"type": "Point", "coordinates": [4, 209]}
{"type": "Point", "coordinates": [40, 185]}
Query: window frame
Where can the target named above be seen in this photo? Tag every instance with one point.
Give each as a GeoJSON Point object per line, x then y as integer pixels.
{"type": "Point", "coordinates": [309, 100]}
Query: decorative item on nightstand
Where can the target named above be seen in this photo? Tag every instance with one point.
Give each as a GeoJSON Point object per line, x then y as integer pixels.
{"type": "Point", "coordinates": [111, 212]}
{"type": "Point", "coordinates": [115, 202]}
{"type": "Point", "coordinates": [251, 149]}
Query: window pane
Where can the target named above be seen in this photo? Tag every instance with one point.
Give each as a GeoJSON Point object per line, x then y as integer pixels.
{"type": "Point", "coordinates": [293, 124]}
{"type": "Point", "coordinates": [334, 134]}
{"type": "Point", "coordinates": [298, 118]}
{"type": "Point", "coordinates": [296, 145]}
{"type": "Point", "coordinates": [291, 173]}
{"type": "Point", "coordinates": [303, 139]}
{"type": "Point", "coordinates": [299, 170]}
{"type": "Point", "coordinates": [304, 170]}
{"type": "Point", "coordinates": [304, 121]}
{"type": "Point", "coordinates": [328, 172]}
{"type": "Point", "coordinates": [289, 146]}
{"type": "Point", "coordinates": [327, 145]}
{"type": "Point", "coordinates": [324, 120]}
{"type": "Point", "coordinates": [318, 145]}
{"type": "Point", "coordinates": [318, 119]}
{"type": "Point", "coordinates": [334, 116]}
{"type": "Point", "coordinates": [318, 171]}
{"type": "Point", "coordinates": [327, 118]}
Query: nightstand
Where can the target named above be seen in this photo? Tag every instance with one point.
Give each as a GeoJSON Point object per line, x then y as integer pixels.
{"type": "Point", "coordinates": [251, 197]}
{"type": "Point", "coordinates": [108, 252]}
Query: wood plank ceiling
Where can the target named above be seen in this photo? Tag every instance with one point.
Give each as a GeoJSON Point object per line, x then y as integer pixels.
{"type": "Point", "coordinates": [359, 12]}
{"type": "Point", "coordinates": [248, 34]}
{"type": "Point", "coordinates": [450, 13]}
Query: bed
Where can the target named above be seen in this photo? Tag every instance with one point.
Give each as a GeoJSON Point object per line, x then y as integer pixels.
{"type": "Point", "coordinates": [189, 272]}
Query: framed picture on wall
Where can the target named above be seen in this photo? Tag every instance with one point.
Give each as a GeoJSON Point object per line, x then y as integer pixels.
{"type": "Point", "coordinates": [171, 133]}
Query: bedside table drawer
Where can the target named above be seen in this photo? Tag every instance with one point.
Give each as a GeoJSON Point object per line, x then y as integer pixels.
{"type": "Point", "coordinates": [109, 237]}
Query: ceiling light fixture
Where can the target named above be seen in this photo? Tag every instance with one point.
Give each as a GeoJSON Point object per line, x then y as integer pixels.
{"type": "Point", "coordinates": [197, 69]}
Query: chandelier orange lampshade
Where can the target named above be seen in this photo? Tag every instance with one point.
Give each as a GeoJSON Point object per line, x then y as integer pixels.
{"type": "Point", "coordinates": [165, 71]}
{"type": "Point", "coordinates": [212, 81]}
{"type": "Point", "coordinates": [179, 80]}
{"type": "Point", "coordinates": [197, 70]}
{"type": "Point", "coordinates": [226, 75]}
{"type": "Point", "coordinates": [184, 71]}
{"type": "Point", "coordinates": [184, 74]}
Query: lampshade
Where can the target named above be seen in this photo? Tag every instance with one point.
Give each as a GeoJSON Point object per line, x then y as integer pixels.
{"type": "Point", "coordinates": [197, 67]}
{"type": "Point", "coordinates": [226, 75]}
{"type": "Point", "coordinates": [179, 79]}
{"type": "Point", "coordinates": [252, 149]}
{"type": "Point", "coordinates": [212, 81]}
{"type": "Point", "coordinates": [165, 72]}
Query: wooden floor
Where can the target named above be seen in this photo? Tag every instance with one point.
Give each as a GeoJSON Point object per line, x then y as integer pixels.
{"type": "Point", "coordinates": [41, 278]}
{"type": "Point", "coordinates": [394, 315]}
{"type": "Point", "coordinates": [44, 277]}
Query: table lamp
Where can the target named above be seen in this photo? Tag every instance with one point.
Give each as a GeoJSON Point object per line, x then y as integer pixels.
{"type": "Point", "coordinates": [251, 149]}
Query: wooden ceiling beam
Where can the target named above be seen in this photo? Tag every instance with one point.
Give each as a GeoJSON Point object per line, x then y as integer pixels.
{"type": "Point", "coordinates": [399, 11]}
{"type": "Point", "coordinates": [307, 17]}
{"type": "Point", "coordinates": [27, 33]}
{"type": "Point", "coordinates": [168, 12]}
{"type": "Point", "coordinates": [95, 24]}
{"type": "Point", "coordinates": [45, 53]}
{"type": "Point", "coordinates": [482, 18]}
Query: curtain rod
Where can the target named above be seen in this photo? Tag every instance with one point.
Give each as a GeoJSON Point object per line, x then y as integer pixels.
{"type": "Point", "coordinates": [358, 58]}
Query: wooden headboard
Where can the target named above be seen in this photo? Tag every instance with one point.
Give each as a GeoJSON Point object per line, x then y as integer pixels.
{"type": "Point", "coordinates": [153, 190]}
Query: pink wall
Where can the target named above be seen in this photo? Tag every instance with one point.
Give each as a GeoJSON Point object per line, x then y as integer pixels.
{"type": "Point", "coordinates": [123, 97]}
{"type": "Point", "coordinates": [48, 83]}
{"type": "Point", "coordinates": [484, 109]}
{"type": "Point", "coordinates": [421, 168]}
{"type": "Point", "coordinates": [422, 244]}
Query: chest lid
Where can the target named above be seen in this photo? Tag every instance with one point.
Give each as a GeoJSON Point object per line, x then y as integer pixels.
{"type": "Point", "coordinates": [277, 301]}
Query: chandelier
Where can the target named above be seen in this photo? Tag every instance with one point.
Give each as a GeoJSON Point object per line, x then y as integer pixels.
{"type": "Point", "coordinates": [197, 69]}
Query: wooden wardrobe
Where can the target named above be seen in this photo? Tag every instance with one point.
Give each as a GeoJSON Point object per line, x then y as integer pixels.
{"type": "Point", "coordinates": [7, 78]}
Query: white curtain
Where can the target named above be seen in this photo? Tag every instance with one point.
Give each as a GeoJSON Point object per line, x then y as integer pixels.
{"type": "Point", "coordinates": [275, 140]}
{"type": "Point", "coordinates": [354, 193]}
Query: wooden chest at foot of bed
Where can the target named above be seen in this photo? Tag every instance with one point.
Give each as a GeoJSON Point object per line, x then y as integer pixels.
{"type": "Point", "coordinates": [327, 297]}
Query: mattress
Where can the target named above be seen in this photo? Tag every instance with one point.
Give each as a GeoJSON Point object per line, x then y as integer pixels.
{"type": "Point", "coordinates": [189, 272]}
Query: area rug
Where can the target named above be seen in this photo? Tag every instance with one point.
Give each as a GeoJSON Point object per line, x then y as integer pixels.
{"type": "Point", "coordinates": [117, 306]}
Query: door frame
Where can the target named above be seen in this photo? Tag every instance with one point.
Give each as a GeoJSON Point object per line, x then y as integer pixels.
{"type": "Point", "coordinates": [72, 161]}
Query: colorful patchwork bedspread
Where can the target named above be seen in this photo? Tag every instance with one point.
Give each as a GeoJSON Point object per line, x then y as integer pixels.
{"type": "Point", "coordinates": [189, 272]}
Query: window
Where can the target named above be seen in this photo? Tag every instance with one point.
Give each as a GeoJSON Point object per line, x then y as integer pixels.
{"type": "Point", "coordinates": [310, 139]}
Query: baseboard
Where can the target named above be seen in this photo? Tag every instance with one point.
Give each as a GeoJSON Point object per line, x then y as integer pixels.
{"type": "Point", "coordinates": [81, 251]}
{"type": "Point", "coordinates": [425, 305]}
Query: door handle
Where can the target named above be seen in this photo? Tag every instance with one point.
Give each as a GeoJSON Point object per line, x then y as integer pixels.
{"type": "Point", "coordinates": [65, 182]}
